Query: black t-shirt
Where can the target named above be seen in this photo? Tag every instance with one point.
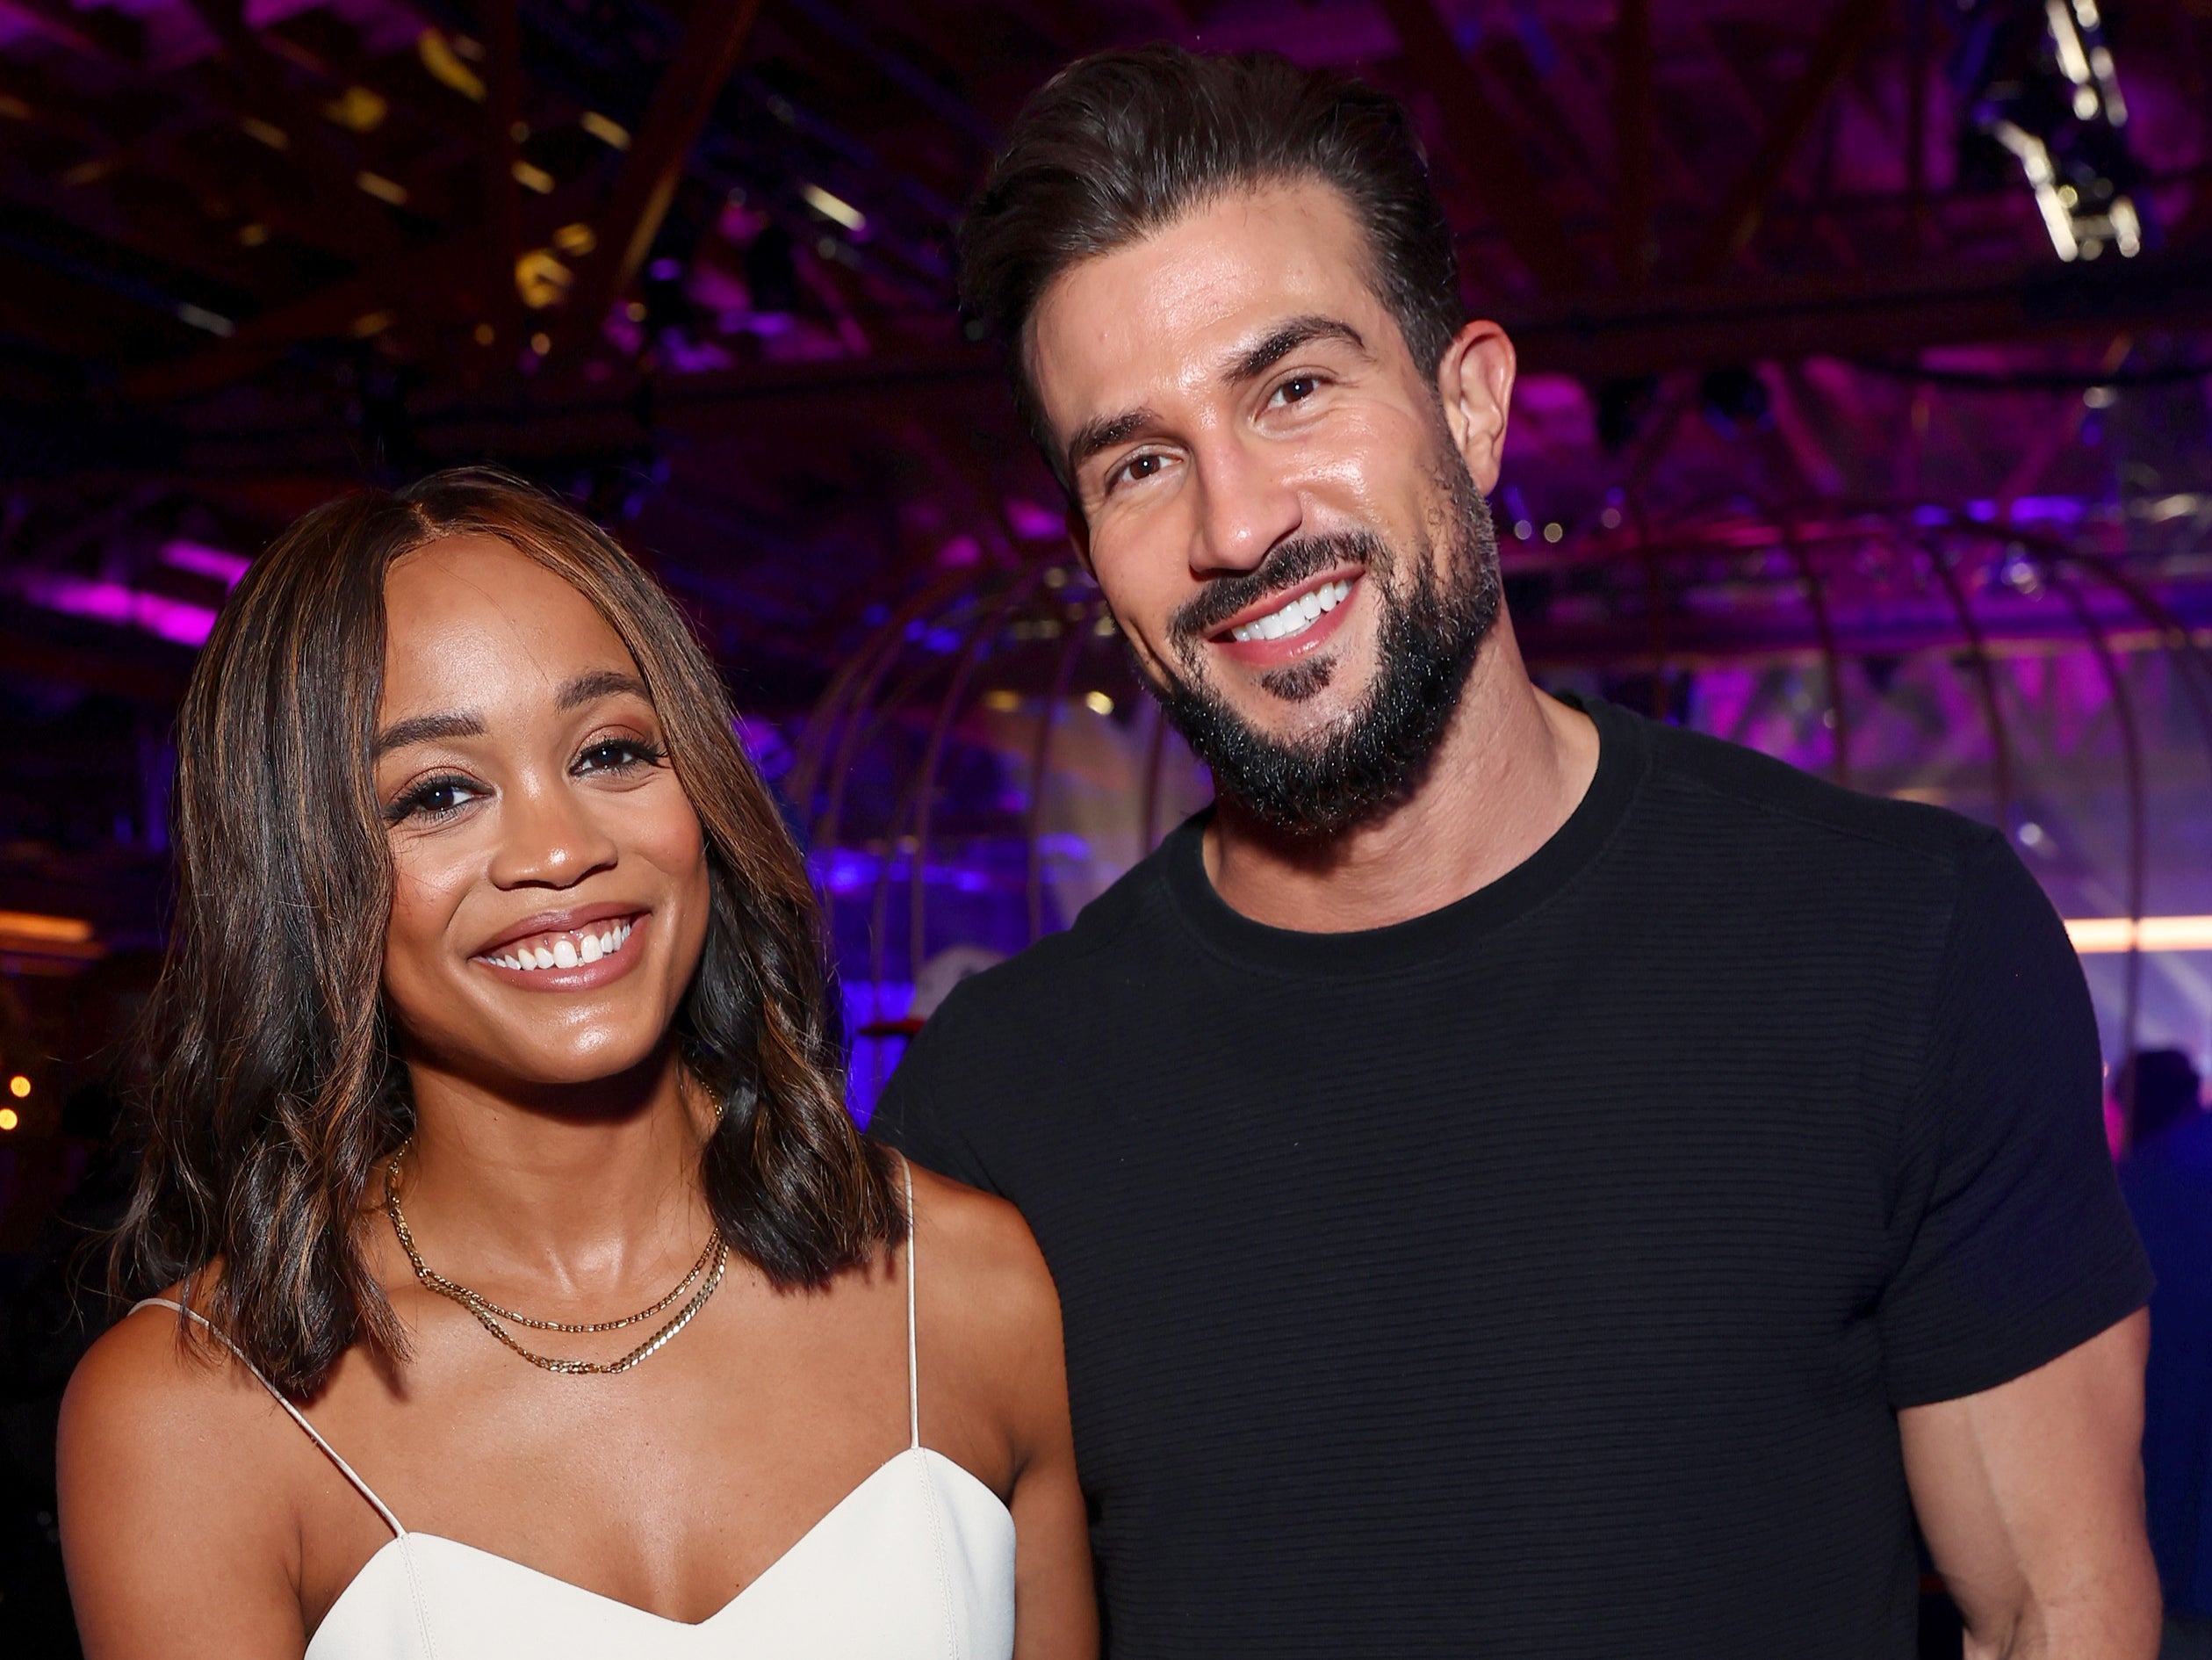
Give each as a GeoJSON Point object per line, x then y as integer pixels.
{"type": "Point", "coordinates": [1541, 1277]}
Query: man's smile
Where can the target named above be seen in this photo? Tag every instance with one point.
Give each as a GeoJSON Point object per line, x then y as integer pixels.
{"type": "Point", "coordinates": [1288, 625]}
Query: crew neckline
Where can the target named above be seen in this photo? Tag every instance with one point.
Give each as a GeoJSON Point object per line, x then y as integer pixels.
{"type": "Point", "coordinates": [1622, 760]}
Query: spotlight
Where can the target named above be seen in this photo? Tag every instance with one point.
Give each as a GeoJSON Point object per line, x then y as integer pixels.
{"type": "Point", "coordinates": [2041, 94]}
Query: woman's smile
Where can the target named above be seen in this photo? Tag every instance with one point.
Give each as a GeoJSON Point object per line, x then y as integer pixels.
{"type": "Point", "coordinates": [578, 951]}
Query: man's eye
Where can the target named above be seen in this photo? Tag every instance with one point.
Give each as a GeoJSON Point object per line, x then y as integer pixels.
{"type": "Point", "coordinates": [1298, 388]}
{"type": "Point", "coordinates": [1138, 468]}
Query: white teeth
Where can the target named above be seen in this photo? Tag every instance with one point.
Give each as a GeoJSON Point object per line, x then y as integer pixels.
{"type": "Point", "coordinates": [1295, 616]}
{"type": "Point", "coordinates": [566, 952]}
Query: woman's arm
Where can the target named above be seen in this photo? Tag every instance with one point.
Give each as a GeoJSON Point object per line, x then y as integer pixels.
{"type": "Point", "coordinates": [990, 1315]}
{"type": "Point", "coordinates": [178, 1532]}
{"type": "Point", "coordinates": [1056, 1610]}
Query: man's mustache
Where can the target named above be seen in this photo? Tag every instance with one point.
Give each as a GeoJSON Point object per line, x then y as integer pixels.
{"type": "Point", "coordinates": [1285, 567]}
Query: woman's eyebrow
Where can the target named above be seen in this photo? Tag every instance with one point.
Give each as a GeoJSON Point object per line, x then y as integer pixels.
{"type": "Point", "coordinates": [602, 682]}
{"type": "Point", "coordinates": [424, 729]}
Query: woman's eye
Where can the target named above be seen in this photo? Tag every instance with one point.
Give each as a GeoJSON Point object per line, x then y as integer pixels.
{"type": "Point", "coordinates": [434, 798]}
{"type": "Point", "coordinates": [618, 755]}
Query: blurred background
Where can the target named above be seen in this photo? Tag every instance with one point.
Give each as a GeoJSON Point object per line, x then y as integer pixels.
{"type": "Point", "coordinates": [1866, 347]}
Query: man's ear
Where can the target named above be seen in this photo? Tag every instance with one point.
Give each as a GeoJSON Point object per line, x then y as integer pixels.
{"type": "Point", "coordinates": [1475, 381]}
{"type": "Point", "coordinates": [1079, 538]}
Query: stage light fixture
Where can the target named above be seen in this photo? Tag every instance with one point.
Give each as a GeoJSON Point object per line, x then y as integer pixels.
{"type": "Point", "coordinates": [2043, 89]}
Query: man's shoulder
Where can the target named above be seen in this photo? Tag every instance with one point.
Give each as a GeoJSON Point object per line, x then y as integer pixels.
{"type": "Point", "coordinates": [1735, 791]}
{"type": "Point", "coordinates": [1107, 938]}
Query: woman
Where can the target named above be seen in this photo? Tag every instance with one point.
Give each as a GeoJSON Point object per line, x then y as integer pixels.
{"type": "Point", "coordinates": [495, 1008]}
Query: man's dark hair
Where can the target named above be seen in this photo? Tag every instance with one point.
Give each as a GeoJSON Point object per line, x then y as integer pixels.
{"type": "Point", "coordinates": [2159, 1088]}
{"type": "Point", "coordinates": [1123, 143]}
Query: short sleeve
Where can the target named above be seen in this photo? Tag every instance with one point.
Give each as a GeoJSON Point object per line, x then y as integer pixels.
{"type": "Point", "coordinates": [908, 1116]}
{"type": "Point", "coordinates": [2016, 1244]}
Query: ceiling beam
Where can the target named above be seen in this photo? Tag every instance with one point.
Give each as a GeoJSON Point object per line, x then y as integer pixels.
{"type": "Point", "coordinates": [1886, 316]}
{"type": "Point", "coordinates": [1850, 28]}
{"type": "Point", "coordinates": [1593, 338]}
{"type": "Point", "coordinates": [713, 36]}
{"type": "Point", "coordinates": [263, 93]}
{"type": "Point", "coordinates": [1483, 144]}
{"type": "Point", "coordinates": [144, 670]}
{"type": "Point", "coordinates": [359, 305]}
{"type": "Point", "coordinates": [1635, 132]}
{"type": "Point", "coordinates": [108, 34]}
{"type": "Point", "coordinates": [503, 201]}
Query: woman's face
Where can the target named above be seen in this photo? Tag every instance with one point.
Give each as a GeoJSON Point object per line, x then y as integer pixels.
{"type": "Point", "coordinates": [550, 891]}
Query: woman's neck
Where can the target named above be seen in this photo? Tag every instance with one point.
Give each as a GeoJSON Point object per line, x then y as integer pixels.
{"type": "Point", "coordinates": [582, 1193]}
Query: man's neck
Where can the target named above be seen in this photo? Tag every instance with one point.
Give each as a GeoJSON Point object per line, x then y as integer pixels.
{"type": "Point", "coordinates": [1513, 765]}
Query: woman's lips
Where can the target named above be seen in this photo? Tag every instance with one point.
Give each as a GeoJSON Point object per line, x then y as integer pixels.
{"type": "Point", "coordinates": [576, 959]}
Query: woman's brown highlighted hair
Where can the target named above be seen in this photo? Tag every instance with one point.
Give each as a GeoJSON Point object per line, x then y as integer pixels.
{"type": "Point", "coordinates": [276, 1097]}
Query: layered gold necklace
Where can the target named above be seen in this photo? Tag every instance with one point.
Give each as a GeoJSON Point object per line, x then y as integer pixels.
{"type": "Point", "coordinates": [706, 1273]}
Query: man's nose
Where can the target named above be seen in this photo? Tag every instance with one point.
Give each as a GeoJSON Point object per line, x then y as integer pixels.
{"type": "Point", "coordinates": [1245, 507]}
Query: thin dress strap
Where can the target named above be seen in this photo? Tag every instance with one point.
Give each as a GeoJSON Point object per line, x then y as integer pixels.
{"type": "Point", "coordinates": [913, 1366]}
{"type": "Point", "coordinates": [328, 1451]}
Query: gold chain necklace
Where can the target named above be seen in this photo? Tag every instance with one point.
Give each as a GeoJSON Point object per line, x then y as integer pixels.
{"type": "Point", "coordinates": [711, 1262]}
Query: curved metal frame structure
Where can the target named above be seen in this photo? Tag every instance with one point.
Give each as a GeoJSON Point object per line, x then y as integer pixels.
{"type": "Point", "coordinates": [857, 705]}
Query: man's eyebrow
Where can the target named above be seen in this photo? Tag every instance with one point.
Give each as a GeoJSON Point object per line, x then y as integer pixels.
{"type": "Point", "coordinates": [602, 682]}
{"type": "Point", "coordinates": [1257, 360]}
{"type": "Point", "coordinates": [425, 729]}
{"type": "Point", "coordinates": [1103, 434]}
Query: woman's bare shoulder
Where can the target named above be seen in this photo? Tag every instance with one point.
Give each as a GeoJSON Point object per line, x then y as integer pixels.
{"type": "Point", "coordinates": [154, 1361]}
{"type": "Point", "coordinates": [172, 1497]}
{"type": "Point", "coordinates": [155, 1380]}
{"type": "Point", "coordinates": [977, 1261]}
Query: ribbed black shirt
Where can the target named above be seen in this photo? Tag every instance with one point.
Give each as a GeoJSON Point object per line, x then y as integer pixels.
{"type": "Point", "coordinates": [1541, 1277]}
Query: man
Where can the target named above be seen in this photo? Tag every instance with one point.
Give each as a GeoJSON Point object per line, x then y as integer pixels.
{"type": "Point", "coordinates": [1523, 1181]}
{"type": "Point", "coordinates": [2167, 1178]}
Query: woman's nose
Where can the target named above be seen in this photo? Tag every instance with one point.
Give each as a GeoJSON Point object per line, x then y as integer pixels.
{"type": "Point", "coordinates": [547, 839]}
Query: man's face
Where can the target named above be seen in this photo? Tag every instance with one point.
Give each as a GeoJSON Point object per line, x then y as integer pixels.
{"type": "Point", "coordinates": [1272, 499]}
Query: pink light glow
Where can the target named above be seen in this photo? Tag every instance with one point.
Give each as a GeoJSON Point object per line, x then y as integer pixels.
{"type": "Point", "coordinates": [171, 619]}
{"type": "Point", "coordinates": [202, 560]}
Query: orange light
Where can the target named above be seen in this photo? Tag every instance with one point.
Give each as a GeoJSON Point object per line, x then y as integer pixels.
{"type": "Point", "coordinates": [29, 925]}
{"type": "Point", "coordinates": [19, 1087]}
{"type": "Point", "coordinates": [2096, 934]}
{"type": "Point", "coordinates": [9, 1118]}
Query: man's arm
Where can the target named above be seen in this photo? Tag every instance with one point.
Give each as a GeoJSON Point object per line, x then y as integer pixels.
{"type": "Point", "coordinates": [2030, 1496]}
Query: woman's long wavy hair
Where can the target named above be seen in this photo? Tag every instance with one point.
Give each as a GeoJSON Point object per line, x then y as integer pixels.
{"type": "Point", "coordinates": [275, 1095]}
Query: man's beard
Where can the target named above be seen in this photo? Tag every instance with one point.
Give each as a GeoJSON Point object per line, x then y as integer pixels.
{"type": "Point", "coordinates": [1375, 757]}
